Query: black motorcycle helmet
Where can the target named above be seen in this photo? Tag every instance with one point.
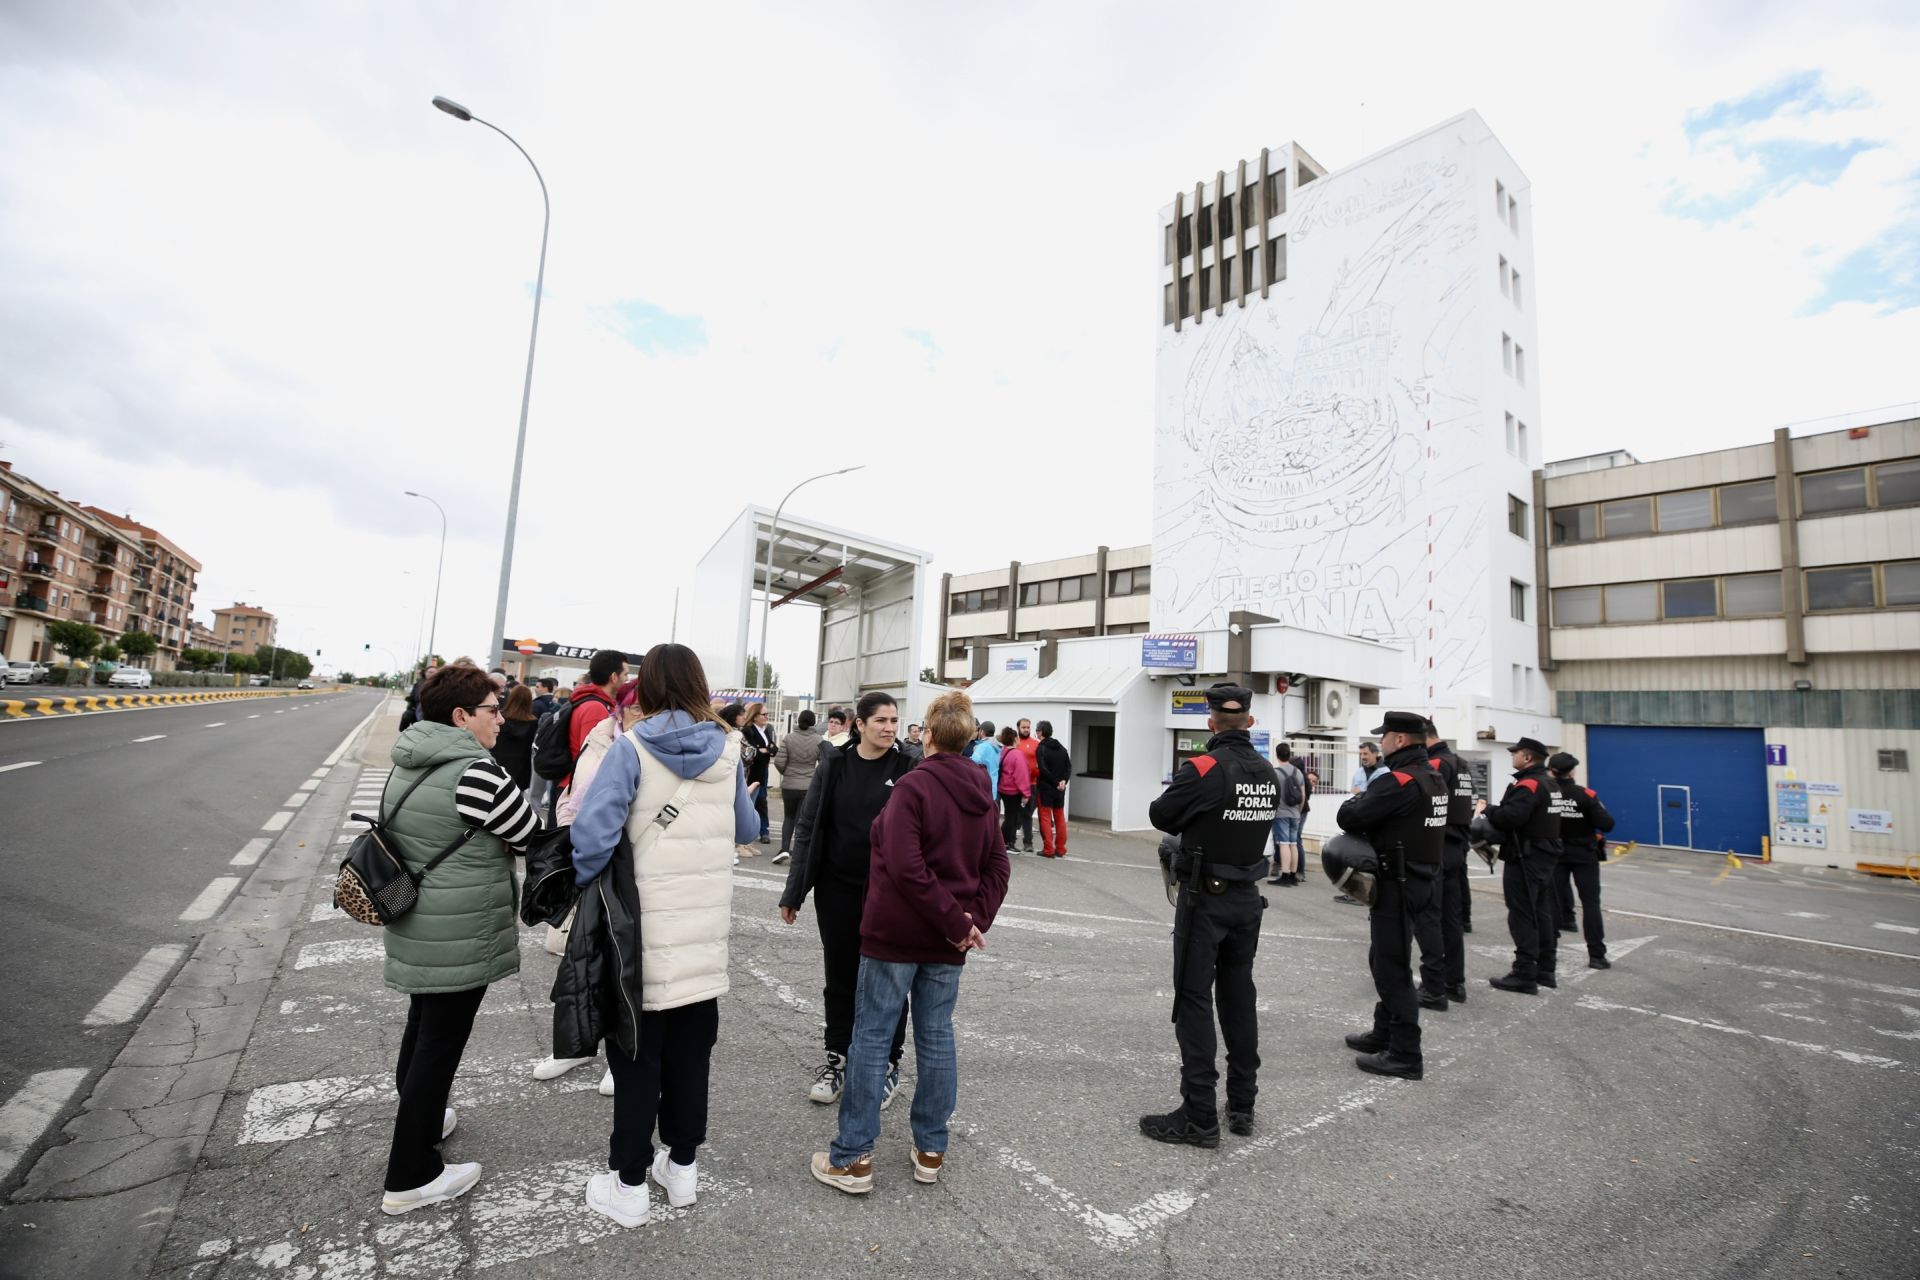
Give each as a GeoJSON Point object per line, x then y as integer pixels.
{"type": "Point", "coordinates": [1482, 838]}
{"type": "Point", "coordinates": [1352, 865]}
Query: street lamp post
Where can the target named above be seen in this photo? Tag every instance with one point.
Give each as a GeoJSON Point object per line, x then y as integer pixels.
{"type": "Point", "coordinates": [442, 563]}
{"type": "Point", "coordinates": [773, 532]}
{"type": "Point", "coordinates": [459, 112]}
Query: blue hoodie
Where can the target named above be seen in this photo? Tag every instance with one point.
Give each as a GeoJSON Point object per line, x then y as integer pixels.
{"type": "Point", "coordinates": [674, 739]}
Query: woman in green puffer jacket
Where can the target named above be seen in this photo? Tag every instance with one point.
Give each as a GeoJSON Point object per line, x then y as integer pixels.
{"type": "Point", "coordinates": [462, 935]}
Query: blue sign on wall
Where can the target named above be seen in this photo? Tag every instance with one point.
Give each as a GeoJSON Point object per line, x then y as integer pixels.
{"type": "Point", "coordinates": [1170, 652]}
{"type": "Point", "coordinates": [1016, 664]}
{"type": "Point", "coordinates": [1776, 754]}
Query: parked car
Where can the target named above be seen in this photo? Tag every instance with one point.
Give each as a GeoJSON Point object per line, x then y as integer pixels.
{"type": "Point", "coordinates": [130, 678]}
{"type": "Point", "coordinates": [257, 682]}
{"type": "Point", "coordinates": [25, 673]}
{"type": "Point", "coordinates": [306, 684]}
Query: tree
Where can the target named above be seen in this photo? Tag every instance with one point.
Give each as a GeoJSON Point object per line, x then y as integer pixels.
{"type": "Point", "coordinates": [753, 675]}
{"type": "Point", "coordinates": [927, 676]}
{"type": "Point", "coordinates": [345, 677]}
{"type": "Point", "coordinates": [109, 652]}
{"type": "Point", "coordinates": [137, 645]}
{"type": "Point", "coordinates": [198, 659]}
{"type": "Point", "coordinates": [242, 663]}
{"type": "Point", "coordinates": [77, 640]}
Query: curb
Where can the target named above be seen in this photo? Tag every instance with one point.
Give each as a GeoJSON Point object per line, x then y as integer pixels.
{"type": "Point", "coordinates": [81, 704]}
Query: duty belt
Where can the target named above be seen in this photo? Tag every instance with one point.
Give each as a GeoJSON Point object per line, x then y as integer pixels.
{"type": "Point", "coordinates": [1214, 877]}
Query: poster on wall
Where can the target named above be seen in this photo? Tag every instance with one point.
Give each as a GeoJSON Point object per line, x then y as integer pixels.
{"type": "Point", "coordinates": [1262, 742]}
{"type": "Point", "coordinates": [1877, 822]}
{"type": "Point", "coordinates": [1790, 801]}
{"type": "Point", "coordinates": [1170, 652]}
{"type": "Point", "coordinates": [1189, 702]}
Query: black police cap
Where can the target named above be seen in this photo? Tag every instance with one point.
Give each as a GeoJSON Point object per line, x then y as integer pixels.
{"type": "Point", "coordinates": [1226, 696]}
{"type": "Point", "coordinates": [1534, 745]}
{"type": "Point", "coordinates": [1563, 762]}
{"type": "Point", "coordinates": [1403, 722]}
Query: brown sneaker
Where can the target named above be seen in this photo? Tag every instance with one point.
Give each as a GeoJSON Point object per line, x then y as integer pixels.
{"type": "Point", "coordinates": [855, 1179]}
{"type": "Point", "coordinates": [926, 1165]}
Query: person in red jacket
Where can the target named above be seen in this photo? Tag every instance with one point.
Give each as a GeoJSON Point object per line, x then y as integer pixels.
{"type": "Point", "coordinates": [1016, 785]}
{"type": "Point", "coordinates": [1029, 746]}
{"type": "Point", "coordinates": [939, 873]}
{"type": "Point", "coordinates": [593, 701]}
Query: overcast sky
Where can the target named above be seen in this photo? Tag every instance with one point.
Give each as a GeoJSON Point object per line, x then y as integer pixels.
{"type": "Point", "coordinates": [252, 286]}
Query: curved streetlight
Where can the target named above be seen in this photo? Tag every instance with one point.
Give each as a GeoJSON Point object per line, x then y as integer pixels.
{"type": "Point", "coordinates": [459, 112]}
{"type": "Point", "coordinates": [434, 629]}
{"type": "Point", "coordinates": [773, 532]}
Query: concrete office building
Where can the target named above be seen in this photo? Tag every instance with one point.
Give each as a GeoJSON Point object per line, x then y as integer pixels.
{"type": "Point", "coordinates": [1346, 419]}
{"type": "Point", "coordinates": [1733, 639]}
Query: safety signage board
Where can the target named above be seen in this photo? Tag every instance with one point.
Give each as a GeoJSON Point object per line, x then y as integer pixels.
{"type": "Point", "coordinates": [1776, 755]}
{"type": "Point", "coordinates": [1790, 801]}
{"type": "Point", "coordinates": [1170, 652]}
{"type": "Point", "coordinates": [1189, 702]}
{"type": "Point", "coordinates": [1016, 664]}
{"type": "Point", "coordinates": [1877, 822]}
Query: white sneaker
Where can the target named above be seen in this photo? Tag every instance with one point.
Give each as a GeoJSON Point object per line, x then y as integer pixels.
{"type": "Point", "coordinates": [454, 1180]}
{"type": "Point", "coordinates": [554, 1068]}
{"type": "Point", "coordinates": [626, 1206]}
{"type": "Point", "coordinates": [606, 1084]}
{"type": "Point", "coordinates": [782, 858]}
{"type": "Point", "coordinates": [447, 1122]}
{"type": "Point", "coordinates": [681, 1182]}
{"type": "Point", "coordinates": [827, 1083]}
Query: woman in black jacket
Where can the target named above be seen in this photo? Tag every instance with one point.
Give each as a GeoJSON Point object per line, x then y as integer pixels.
{"type": "Point", "coordinates": [759, 735]}
{"type": "Point", "coordinates": [514, 747]}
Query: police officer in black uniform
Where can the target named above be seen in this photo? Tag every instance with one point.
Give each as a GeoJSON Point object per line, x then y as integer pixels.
{"type": "Point", "coordinates": [1453, 868]}
{"type": "Point", "coordinates": [1221, 806]}
{"type": "Point", "coordinates": [1583, 824]}
{"type": "Point", "coordinates": [1403, 814]}
{"type": "Point", "coordinates": [1529, 845]}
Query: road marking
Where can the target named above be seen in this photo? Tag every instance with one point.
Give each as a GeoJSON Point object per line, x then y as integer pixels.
{"type": "Point", "coordinates": [1845, 1055]}
{"type": "Point", "coordinates": [1005, 921]}
{"type": "Point", "coordinates": [1761, 933]}
{"type": "Point", "coordinates": [278, 822]}
{"type": "Point", "coordinates": [24, 764]}
{"type": "Point", "coordinates": [310, 784]}
{"type": "Point", "coordinates": [27, 1113]}
{"type": "Point", "coordinates": [298, 798]}
{"type": "Point", "coordinates": [130, 995]}
{"type": "Point", "coordinates": [254, 716]}
{"type": "Point", "coordinates": [211, 898]}
{"type": "Point", "coordinates": [1806, 915]}
{"type": "Point", "coordinates": [321, 772]}
{"type": "Point", "coordinates": [1895, 928]}
{"type": "Point", "coordinates": [251, 853]}
{"type": "Point", "coordinates": [152, 737]}
{"type": "Point", "coordinates": [302, 1108]}
{"type": "Point", "coordinates": [346, 951]}
{"type": "Point", "coordinates": [282, 711]}
{"type": "Point", "coordinates": [217, 724]}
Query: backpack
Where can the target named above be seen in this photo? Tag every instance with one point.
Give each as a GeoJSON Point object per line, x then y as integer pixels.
{"type": "Point", "coordinates": [553, 741]}
{"type": "Point", "coordinates": [1291, 792]}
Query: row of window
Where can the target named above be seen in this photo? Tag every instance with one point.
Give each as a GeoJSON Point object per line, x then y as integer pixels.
{"type": "Point", "coordinates": [1863, 488]}
{"type": "Point", "coordinates": [1746, 595]}
{"type": "Point", "coordinates": [1179, 234]}
{"type": "Point", "coordinates": [1513, 359]}
{"type": "Point", "coordinates": [1233, 280]}
{"type": "Point", "coordinates": [1510, 282]}
{"type": "Point", "coordinates": [1059, 590]}
{"type": "Point", "coordinates": [1505, 207]}
{"type": "Point", "coordinates": [1120, 582]}
{"type": "Point", "coordinates": [1517, 438]}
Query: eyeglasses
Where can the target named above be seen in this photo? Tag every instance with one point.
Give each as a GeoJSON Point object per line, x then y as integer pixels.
{"type": "Point", "coordinates": [494, 707]}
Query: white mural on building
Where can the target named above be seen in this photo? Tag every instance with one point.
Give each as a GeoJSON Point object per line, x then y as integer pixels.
{"type": "Point", "coordinates": [1316, 452]}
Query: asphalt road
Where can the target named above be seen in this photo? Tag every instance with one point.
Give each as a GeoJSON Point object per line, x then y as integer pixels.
{"type": "Point", "coordinates": [1721, 1103]}
{"type": "Point", "coordinates": [119, 823]}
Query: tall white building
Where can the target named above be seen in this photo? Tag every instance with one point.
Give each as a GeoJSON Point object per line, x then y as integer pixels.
{"type": "Point", "coordinates": [1347, 410]}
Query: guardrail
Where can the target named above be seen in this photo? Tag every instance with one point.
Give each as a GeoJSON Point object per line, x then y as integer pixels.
{"type": "Point", "coordinates": [80, 704]}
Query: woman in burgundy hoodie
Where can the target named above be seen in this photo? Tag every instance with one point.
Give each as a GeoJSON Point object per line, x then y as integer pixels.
{"type": "Point", "coordinates": [939, 873]}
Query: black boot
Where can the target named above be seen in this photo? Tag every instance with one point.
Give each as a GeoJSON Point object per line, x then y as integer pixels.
{"type": "Point", "coordinates": [1599, 962]}
{"type": "Point", "coordinates": [1365, 1042]}
{"type": "Point", "coordinates": [1176, 1127]}
{"type": "Point", "coordinates": [1240, 1121]}
{"type": "Point", "coordinates": [1545, 978]}
{"type": "Point", "coordinates": [1514, 982]}
{"type": "Point", "coordinates": [1457, 994]}
{"type": "Point", "coordinates": [1390, 1063]}
{"type": "Point", "coordinates": [1433, 1000]}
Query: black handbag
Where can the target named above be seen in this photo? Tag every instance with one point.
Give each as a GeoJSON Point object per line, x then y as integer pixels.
{"type": "Point", "coordinates": [374, 885]}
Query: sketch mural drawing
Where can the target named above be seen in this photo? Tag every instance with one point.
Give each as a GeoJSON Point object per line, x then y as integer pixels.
{"type": "Point", "coordinates": [1320, 454]}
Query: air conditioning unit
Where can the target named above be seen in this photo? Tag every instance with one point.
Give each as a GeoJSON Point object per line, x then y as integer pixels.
{"type": "Point", "coordinates": [1328, 702]}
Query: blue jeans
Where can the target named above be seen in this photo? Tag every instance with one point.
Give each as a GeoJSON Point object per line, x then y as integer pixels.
{"type": "Point", "coordinates": [884, 987]}
{"type": "Point", "coordinates": [1286, 828]}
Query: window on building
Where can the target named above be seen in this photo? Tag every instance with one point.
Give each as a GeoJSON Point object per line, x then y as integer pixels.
{"type": "Point", "coordinates": [1506, 353]}
{"type": "Point", "coordinates": [1628, 516]}
{"type": "Point", "coordinates": [1206, 288]}
{"type": "Point", "coordinates": [1513, 213]}
{"type": "Point", "coordinates": [1249, 266]}
{"type": "Point", "coordinates": [1168, 306]}
{"type": "Point", "coordinates": [1748, 503]}
{"type": "Point", "coordinates": [1229, 289]}
{"type": "Point", "coordinates": [1206, 226]}
{"type": "Point", "coordinates": [1130, 582]}
{"type": "Point", "coordinates": [1896, 483]}
{"type": "Point", "coordinates": [1499, 198]}
{"type": "Point", "coordinates": [1690, 598]}
{"type": "Point", "coordinates": [1749, 595]}
{"type": "Point", "coordinates": [1845, 588]}
{"type": "Point", "coordinates": [1276, 260]}
{"type": "Point", "coordinates": [1503, 277]}
{"type": "Point", "coordinates": [1513, 434]}
{"type": "Point", "coordinates": [1519, 685]}
{"type": "Point", "coordinates": [1833, 491]}
{"type": "Point", "coordinates": [1633, 602]}
{"type": "Point", "coordinates": [1276, 195]}
{"type": "Point", "coordinates": [1099, 762]}
{"type": "Point", "coordinates": [1517, 300]}
{"type": "Point", "coordinates": [1519, 364]}
{"type": "Point", "coordinates": [1070, 589]}
{"type": "Point", "coordinates": [1524, 452]}
{"type": "Point", "coordinates": [1517, 600]}
{"type": "Point", "coordinates": [960, 602]}
{"type": "Point", "coordinates": [1893, 760]}
{"type": "Point", "coordinates": [1901, 582]}
{"type": "Point", "coordinates": [1576, 606]}
{"type": "Point", "coordinates": [1574, 524]}
{"type": "Point", "coordinates": [1516, 517]}
{"type": "Point", "coordinates": [1688, 509]}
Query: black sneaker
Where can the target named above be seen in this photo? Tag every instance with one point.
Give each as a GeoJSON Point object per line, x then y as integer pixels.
{"type": "Point", "coordinates": [1365, 1042]}
{"type": "Point", "coordinates": [1514, 982]}
{"type": "Point", "coordinates": [1240, 1121]}
{"type": "Point", "coordinates": [1457, 994]}
{"type": "Point", "coordinates": [1347, 898]}
{"type": "Point", "coordinates": [1433, 1001]}
{"type": "Point", "coordinates": [1390, 1064]}
{"type": "Point", "coordinates": [1599, 962]}
{"type": "Point", "coordinates": [1175, 1127]}
{"type": "Point", "coordinates": [1547, 980]}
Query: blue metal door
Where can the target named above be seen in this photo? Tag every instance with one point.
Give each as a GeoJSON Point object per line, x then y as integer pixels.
{"type": "Point", "coordinates": [1690, 787]}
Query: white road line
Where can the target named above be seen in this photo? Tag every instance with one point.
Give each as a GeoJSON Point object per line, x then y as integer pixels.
{"type": "Point", "coordinates": [252, 852]}
{"type": "Point", "coordinates": [24, 764]}
{"type": "Point", "coordinates": [298, 798]}
{"type": "Point", "coordinates": [1859, 1059]}
{"type": "Point", "coordinates": [1761, 933]}
{"type": "Point", "coordinates": [321, 772]}
{"type": "Point", "coordinates": [211, 898]}
{"type": "Point", "coordinates": [282, 711]}
{"type": "Point", "coordinates": [130, 995]}
{"type": "Point", "coordinates": [152, 737]}
{"type": "Point", "coordinates": [1805, 915]}
{"type": "Point", "coordinates": [254, 716]}
{"type": "Point", "coordinates": [278, 822]}
{"type": "Point", "coordinates": [1895, 928]}
{"type": "Point", "coordinates": [27, 1113]}
{"type": "Point", "coordinates": [310, 784]}
{"type": "Point", "coordinates": [217, 724]}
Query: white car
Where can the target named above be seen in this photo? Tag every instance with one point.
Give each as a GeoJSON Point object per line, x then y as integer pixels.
{"type": "Point", "coordinates": [306, 684]}
{"type": "Point", "coordinates": [130, 678]}
{"type": "Point", "coordinates": [25, 673]}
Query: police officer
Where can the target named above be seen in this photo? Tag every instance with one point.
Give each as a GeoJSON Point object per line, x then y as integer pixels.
{"type": "Point", "coordinates": [1403, 814]}
{"type": "Point", "coordinates": [1583, 822]}
{"type": "Point", "coordinates": [1529, 845]}
{"type": "Point", "coordinates": [1453, 870]}
{"type": "Point", "coordinates": [1220, 806]}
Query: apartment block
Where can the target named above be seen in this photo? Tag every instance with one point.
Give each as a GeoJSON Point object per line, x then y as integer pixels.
{"type": "Point", "coordinates": [58, 561]}
{"type": "Point", "coordinates": [163, 583]}
{"type": "Point", "coordinates": [243, 628]}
